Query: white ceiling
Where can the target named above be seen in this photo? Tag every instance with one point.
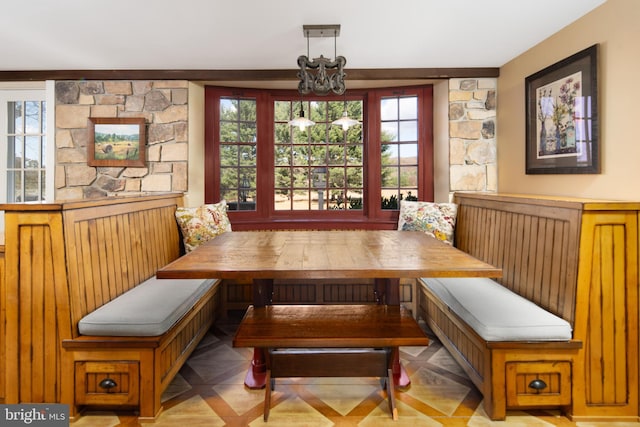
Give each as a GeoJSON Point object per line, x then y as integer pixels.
{"type": "Point", "coordinates": [267, 34]}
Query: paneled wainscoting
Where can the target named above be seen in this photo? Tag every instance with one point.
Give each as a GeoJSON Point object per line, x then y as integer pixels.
{"type": "Point", "coordinates": [209, 391]}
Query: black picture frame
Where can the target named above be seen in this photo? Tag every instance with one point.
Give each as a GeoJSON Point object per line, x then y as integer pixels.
{"type": "Point", "coordinates": [562, 116]}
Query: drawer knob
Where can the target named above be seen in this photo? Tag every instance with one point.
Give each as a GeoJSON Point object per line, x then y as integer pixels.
{"type": "Point", "coordinates": [108, 384]}
{"type": "Point", "coordinates": [538, 384]}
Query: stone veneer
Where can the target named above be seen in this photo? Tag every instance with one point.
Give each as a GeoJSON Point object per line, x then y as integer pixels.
{"type": "Point", "coordinates": [163, 105]}
{"type": "Point", "coordinates": [472, 132]}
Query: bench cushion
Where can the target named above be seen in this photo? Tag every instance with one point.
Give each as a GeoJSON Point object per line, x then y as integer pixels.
{"type": "Point", "coordinates": [496, 313]}
{"type": "Point", "coordinates": [149, 309]}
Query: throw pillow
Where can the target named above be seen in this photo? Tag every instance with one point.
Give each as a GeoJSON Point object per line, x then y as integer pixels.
{"type": "Point", "coordinates": [435, 219]}
{"type": "Point", "coordinates": [203, 223]}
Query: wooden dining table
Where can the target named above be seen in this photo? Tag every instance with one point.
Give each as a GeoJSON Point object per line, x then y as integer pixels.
{"type": "Point", "coordinates": [386, 256]}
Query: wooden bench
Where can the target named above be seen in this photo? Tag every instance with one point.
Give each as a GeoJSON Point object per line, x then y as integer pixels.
{"type": "Point", "coordinates": [329, 341]}
{"type": "Point", "coordinates": [65, 260]}
{"type": "Point", "coordinates": [577, 259]}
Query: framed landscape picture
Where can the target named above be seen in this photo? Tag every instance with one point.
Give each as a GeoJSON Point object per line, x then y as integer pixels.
{"type": "Point", "coordinates": [116, 142]}
{"type": "Point", "coordinates": [562, 116]}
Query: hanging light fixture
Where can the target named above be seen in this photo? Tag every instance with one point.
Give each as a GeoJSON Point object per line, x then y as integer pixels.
{"type": "Point", "coordinates": [322, 75]}
{"type": "Point", "coordinates": [345, 121]}
{"type": "Point", "coordinates": [301, 121]}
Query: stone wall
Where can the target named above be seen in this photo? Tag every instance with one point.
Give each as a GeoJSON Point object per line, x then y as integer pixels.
{"type": "Point", "coordinates": [472, 129]}
{"type": "Point", "coordinates": [163, 105]}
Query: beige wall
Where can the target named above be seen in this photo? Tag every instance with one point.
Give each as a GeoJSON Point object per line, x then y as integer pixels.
{"type": "Point", "coordinates": [614, 26]}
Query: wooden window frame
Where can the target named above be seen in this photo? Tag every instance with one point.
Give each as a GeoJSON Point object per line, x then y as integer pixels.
{"type": "Point", "coordinates": [372, 216]}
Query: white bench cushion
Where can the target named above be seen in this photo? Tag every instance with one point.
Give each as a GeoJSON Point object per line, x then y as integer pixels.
{"type": "Point", "coordinates": [496, 313]}
{"type": "Point", "coordinates": [149, 309]}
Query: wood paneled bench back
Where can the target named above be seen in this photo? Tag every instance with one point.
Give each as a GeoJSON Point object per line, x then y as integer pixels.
{"type": "Point", "coordinates": [577, 259]}
{"type": "Point", "coordinates": [63, 261]}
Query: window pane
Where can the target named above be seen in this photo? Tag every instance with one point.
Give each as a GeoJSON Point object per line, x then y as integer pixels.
{"type": "Point", "coordinates": [283, 199]}
{"type": "Point", "coordinates": [355, 155]}
{"type": "Point", "coordinates": [282, 111]}
{"type": "Point", "coordinates": [32, 152]}
{"type": "Point", "coordinates": [43, 147]}
{"type": "Point", "coordinates": [43, 192]}
{"type": "Point", "coordinates": [337, 156]}
{"type": "Point", "coordinates": [301, 200]}
{"type": "Point", "coordinates": [409, 153]}
{"type": "Point", "coordinates": [228, 132]}
{"type": "Point", "coordinates": [248, 110]}
{"type": "Point", "coordinates": [228, 179]}
{"type": "Point", "coordinates": [389, 132]}
{"type": "Point", "coordinates": [32, 185]}
{"type": "Point", "coordinates": [248, 132]}
{"type": "Point", "coordinates": [283, 178]}
{"type": "Point", "coordinates": [247, 155]}
{"type": "Point", "coordinates": [228, 155]}
{"type": "Point", "coordinates": [389, 177]}
{"type": "Point", "coordinates": [16, 124]}
{"type": "Point", "coordinates": [44, 118]}
{"type": "Point", "coordinates": [300, 136]}
{"type": "Point", "coordinates": [318, 155]}
{"type": "Point", "coordinates": [32, 116]}
{"type": "Point", "coordinates": [238, 152]}
{"type": "Point", "coordinates": [283, 155]}
{"type": "Point", "coordinates": [390, 154]}
{"type": "Point", "coordinates": [409, 176]}
{"type": "Point", "coordinates": [389, 109]}
{"type": "Point", "coordinates": [399, 159]}
{"type": "Point", "coordinates": [228, 109]}
{"type": "Point", "coordinates": [408, 131]}
{"type": "Point", "coordinates": [282, 133]}
{"type": "Point", "coordinates": [301, 178]}
{"type": "Point", "coordinates": [14, 152]}
{"type": "Point", "coordinates": [14, 187]}
{"type": "Point", "coordinates": [408, 108]}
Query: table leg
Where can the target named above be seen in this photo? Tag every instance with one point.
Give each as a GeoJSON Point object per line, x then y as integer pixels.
{"type": "Point", "coordinates": [387, 291]}
{"type": "Point", "coordinates": [257, 373]}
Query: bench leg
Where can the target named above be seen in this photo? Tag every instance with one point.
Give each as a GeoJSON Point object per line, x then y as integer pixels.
{"type": "Point", "coordinates": [267, 395]}
{"type": "Point", "coordinates": [255, 378]}
{"type": "Point", "coordinates": [391, 396]}
{"type": "Point", "coordinates": [262, 296]}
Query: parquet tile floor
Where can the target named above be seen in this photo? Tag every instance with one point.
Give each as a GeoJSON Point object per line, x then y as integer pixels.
{"type": "Point", "coordinates": [209, 391]}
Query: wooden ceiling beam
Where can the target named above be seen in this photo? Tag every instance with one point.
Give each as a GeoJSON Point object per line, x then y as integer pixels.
{"type": "Point", "coordinates": [244, 75]}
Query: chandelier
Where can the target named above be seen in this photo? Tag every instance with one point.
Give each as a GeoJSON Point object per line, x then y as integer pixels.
{"type": "Point", "coordinates": [322, 75]}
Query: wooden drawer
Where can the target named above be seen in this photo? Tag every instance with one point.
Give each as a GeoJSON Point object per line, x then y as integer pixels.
{"type": "Point", "coordinates": [107, 383]}
{"type": "Point", "coordinates": [531, 384]}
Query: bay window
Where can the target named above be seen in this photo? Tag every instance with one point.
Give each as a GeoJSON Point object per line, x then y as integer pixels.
{"type": "Point", "coordinates": [322, 176]}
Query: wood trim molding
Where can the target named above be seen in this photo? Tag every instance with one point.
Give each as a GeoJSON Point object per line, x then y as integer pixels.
{"type": "Point", "coordinates": [243, 75]}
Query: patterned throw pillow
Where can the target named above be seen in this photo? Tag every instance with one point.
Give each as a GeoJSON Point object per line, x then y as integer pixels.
{"type": "Point", "coordinates": [201, 224]}
{"type": "Point", "coordinates": [435, 219]}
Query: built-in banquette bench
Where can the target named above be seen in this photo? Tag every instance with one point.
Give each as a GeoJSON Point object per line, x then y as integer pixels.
{"type": "Point", "coordinates": [87, 323]}
{"type": "Point", "coordinates": [577, 260]}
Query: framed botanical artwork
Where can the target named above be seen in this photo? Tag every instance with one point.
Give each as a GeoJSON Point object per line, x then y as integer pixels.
{"type": "Point", "coordinates": [562, 116]}
{"type": "Point", "coordinates": [116, 142]}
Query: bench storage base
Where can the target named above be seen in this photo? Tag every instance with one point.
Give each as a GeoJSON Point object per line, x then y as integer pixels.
{"type": "Point", "coordinates": [510, 375]}
{"type": "Point", "coordinates": [132, 372]}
